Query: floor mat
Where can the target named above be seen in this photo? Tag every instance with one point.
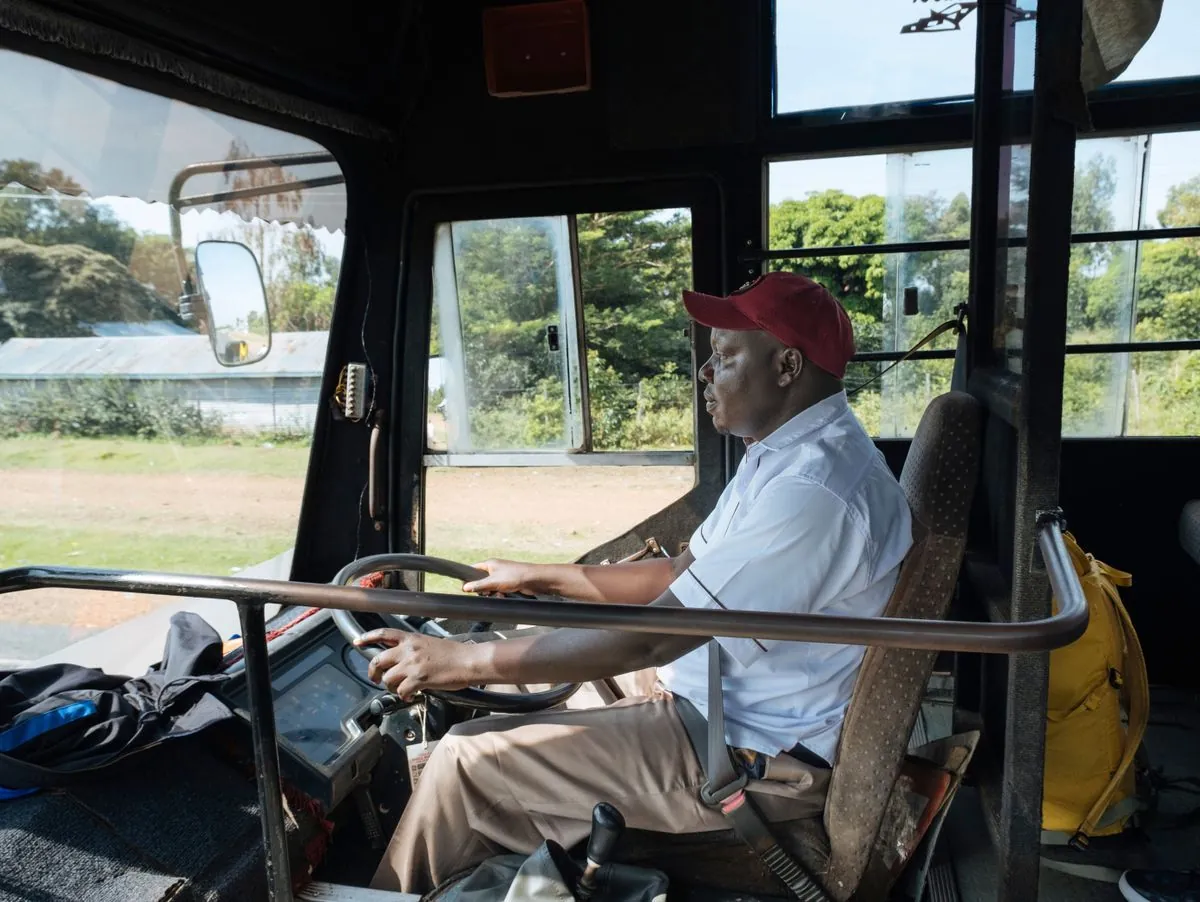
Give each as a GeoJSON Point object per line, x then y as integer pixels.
{"type": "Point", "coordinates": [53, 850]}
{"type": "Point", "coordinates": [183, 824]}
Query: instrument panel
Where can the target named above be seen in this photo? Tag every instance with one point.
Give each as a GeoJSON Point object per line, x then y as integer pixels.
{"type": "Point", "coordinates": [321, 695]}
{"type": "Point", "coordinates": [313, 698]}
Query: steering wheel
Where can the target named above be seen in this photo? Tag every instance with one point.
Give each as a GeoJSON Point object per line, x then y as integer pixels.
{"type": "Point", "coordinates": [481, 699]}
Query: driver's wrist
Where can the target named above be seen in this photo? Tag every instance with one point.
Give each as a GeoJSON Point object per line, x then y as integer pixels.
{"type": "Point", "coordinates": [476, 663]}
{"type": "Point", "coordinates": [539, 579]}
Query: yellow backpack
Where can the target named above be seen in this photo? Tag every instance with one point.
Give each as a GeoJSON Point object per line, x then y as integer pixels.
{"type": "Point", "coordinates": [1089, 781]}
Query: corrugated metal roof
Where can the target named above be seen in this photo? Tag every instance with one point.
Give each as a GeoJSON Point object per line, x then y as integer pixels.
{"type": "Point", "coordinates": [155, 357]}
{"type": "Point", "coordinates": [125, 330]}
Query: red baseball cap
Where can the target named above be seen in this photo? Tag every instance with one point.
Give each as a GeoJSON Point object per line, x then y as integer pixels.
{"type": "Point", "coordinates": [798, 311]}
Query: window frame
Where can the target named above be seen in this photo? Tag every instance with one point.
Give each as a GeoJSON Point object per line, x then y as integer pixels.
{"type": "Point", "coordinates": [752, 256]}
{"type": "Point", "coordinates": [406, 448]}
{"type": "Point", "coordinates": [574, 343]}
{"type": "Point", "coordinates": [700, 194]}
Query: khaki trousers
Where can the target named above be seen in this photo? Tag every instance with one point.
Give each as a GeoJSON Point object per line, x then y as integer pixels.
{"type": "Point", "coordinates": [506, 783]}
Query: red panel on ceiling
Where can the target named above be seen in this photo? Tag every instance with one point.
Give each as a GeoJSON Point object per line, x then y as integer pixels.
{"type": "Point", "coordinates": [537, 48]}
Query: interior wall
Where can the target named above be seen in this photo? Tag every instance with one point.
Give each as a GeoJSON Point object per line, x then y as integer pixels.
{"type": "Point", "coordinates": [1122, 499]}
{"type": "Point", "coordinates": [643, 112]}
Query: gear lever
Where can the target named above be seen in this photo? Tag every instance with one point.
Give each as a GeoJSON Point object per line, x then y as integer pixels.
{"type": "Point", "coordinates": [607, 826]}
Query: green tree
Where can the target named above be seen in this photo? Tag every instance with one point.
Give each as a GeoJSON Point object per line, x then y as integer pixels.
{"type": "Point", "coordinates": [634, 268]}
{"type": "Point", "coordinates": [1158, 392]}
{"type": "Point", "coordinates": [58, 291]}
{"type": "Point", "coordinates": [1165, 267]}
{"type": "Point", "coordinates": [153, 263]}
{"type": "Point", "coordinates": [51, 219]}
{"type": "Point", "coordinates": [31, 175]}
{"type": "Point", "coordinates": [302, 284]}
{"type": "Point", "coordinates": [1093, 297]}
{"type": "Point", "coordinates": [831, 219]}
{"type": "Point", "coordinates": [1183, 205]}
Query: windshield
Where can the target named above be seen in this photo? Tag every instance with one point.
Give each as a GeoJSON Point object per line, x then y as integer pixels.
{"type": "Point", "coordinates": [123, 441]}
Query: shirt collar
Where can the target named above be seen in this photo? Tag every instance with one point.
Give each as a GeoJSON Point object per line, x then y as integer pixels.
{"type": "Point", "coordinates": [803, 424]}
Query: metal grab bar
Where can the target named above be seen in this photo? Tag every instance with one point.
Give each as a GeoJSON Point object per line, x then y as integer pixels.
{"type": "Point", "coordinates": [890, 632]}
{"type": "Point", "coordinates": [251, 595]}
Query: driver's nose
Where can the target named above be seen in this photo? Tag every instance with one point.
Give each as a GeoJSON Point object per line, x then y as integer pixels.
{"type": "Point", "coordinates": [706, 372]}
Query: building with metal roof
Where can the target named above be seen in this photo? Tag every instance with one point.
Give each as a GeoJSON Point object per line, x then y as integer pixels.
{"type": "Point", "coordinates": [279, 392]}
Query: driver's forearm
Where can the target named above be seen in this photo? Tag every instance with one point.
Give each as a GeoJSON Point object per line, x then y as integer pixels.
{"type": "Point", "coordinates": [573, 656]}
{"type": "Point", "coordinates": [636, 582]}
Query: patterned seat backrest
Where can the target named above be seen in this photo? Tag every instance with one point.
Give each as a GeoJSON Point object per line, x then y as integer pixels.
{"type": "Point", "coordinates": [939, 479]}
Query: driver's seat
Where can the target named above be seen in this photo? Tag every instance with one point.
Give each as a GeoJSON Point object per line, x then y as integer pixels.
{"type": "Point", "coordinates": [939, 479]}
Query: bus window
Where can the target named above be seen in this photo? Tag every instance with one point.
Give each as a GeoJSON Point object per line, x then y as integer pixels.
{"type": "Point", "coordinates": [124, 442]}
{"type": "Point", "coordinates": [519, 306]}
{"type": "Point", "coordinates": [1134, 290]}
{"type": "Point", "coordinates": [881, 69]}
{"type": "Point", "coordinates": [852, 203]}
{"type": "Point", "coordinates": [505, 340]}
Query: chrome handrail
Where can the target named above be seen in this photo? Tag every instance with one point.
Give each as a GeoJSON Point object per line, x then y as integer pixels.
{"type": "Point", "coordinates": [887, 632]}
{"type": "Point", "coordinates": [251, 595]}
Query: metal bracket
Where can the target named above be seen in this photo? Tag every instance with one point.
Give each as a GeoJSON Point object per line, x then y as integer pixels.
{"type": "Point", "coordinates": [1052, 515]}
{"type": "Point", "coordinates": [951, 18]}
{"type": "Point", "coordinates": [650, 548]}
{"type": "Point", "coordinates": [1042, 519]}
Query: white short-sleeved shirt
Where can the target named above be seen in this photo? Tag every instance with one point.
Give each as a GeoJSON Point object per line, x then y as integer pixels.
{"type": "Point", "coordinates": [813, 522]}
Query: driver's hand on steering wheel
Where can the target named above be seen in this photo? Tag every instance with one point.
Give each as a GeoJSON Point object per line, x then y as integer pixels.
{"type": "Point", "coordinates": [413, 662]}
{"type": "Point", "coordinates": [503, 577]}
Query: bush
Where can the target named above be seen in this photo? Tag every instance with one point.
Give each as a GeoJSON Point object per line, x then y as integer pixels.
{"type": "Point", "coordinates": [107, 407]}
{"type": "Point", "coordinates": [651, 414]}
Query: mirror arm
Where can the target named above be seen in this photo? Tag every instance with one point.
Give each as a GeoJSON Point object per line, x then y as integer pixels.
{"type": "Point", "coordinates": [189, 299]}
{"type": "Point", "coordinates": [196, 200]}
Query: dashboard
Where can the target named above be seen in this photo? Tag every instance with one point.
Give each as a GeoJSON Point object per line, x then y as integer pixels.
{"type": "Point", "coordinates": [328, 742]}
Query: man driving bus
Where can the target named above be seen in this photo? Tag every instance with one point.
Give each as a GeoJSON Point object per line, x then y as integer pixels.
{"type": "Point", "coordinates": [813, 521]}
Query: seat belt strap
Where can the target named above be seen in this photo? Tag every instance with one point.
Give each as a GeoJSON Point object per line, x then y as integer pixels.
{"type": "Point", "coordinates": [724, 778]}
{"type": "Point", "coordinates": [725, 786]}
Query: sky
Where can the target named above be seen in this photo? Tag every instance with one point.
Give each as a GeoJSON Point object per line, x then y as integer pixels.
{"type": "Point", "coordinates": [829, 54]}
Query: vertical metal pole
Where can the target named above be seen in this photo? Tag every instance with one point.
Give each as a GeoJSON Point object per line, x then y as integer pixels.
{"type": "Point", "coordinates": [993, 78]}
{"type": "Point", "coordinates": [266, 752]}
{"type": "Point", "coordinates": [1051, 187]}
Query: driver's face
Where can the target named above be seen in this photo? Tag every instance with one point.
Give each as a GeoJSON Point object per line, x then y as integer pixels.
{"type": "Point", "coordinates": [741, 382]}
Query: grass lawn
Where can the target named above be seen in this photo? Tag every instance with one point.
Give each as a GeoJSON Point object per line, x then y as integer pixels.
{"type": "Point", "coordinates": [134, 456]}
{"type": "Point", "coordinates": [139, 550]}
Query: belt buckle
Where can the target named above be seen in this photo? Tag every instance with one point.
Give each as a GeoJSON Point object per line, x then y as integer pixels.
{"type": "Point", "coordinates": [714, 797]}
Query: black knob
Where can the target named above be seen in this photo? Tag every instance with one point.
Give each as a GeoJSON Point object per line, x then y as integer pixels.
{"type": "Point", "coordinates": [607, 826]}
{"type": "Point", "coordinates": [385, 703]}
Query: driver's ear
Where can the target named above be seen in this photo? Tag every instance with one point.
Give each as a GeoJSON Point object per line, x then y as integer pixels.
{"type": "Point", "coordinates": [791, 365]}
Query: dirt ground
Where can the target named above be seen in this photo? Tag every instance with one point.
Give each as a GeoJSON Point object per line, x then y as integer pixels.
{"type": "Point", "coordinates": [554, 513]}
{"type": "Point", "coordinates": [168, 503]}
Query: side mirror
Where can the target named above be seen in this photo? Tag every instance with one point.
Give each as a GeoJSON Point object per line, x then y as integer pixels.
{"type": "Point", "coordinates": [235, 301]}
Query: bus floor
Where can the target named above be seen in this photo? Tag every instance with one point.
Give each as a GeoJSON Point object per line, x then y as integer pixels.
{"type": "Point", "coordinates": [1173, 838]}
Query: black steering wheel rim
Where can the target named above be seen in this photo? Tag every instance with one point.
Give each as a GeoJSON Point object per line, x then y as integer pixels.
{"type": "Point", "coordinates": [479, 699]}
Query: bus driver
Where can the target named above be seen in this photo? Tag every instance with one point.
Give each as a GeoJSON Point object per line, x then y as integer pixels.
{"type": "Point", "coordinates": [814, 521]}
